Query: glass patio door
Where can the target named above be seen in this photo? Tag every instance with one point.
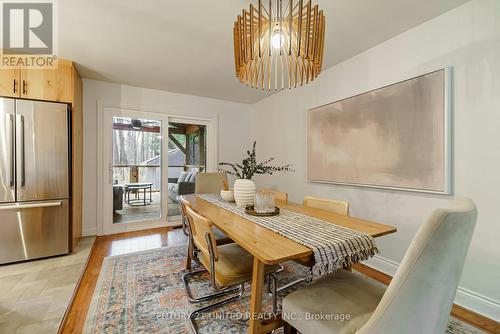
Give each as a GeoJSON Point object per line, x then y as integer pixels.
{"type": "Point", "coordinates": [134, 153]}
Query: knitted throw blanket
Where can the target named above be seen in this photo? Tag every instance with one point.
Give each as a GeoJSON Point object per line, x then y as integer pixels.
{"type": "Point", "coordinates": [334, 247]}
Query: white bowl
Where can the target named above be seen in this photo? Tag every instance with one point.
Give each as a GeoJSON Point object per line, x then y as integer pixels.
{"type": "Point", "coordinates": [227, 195]}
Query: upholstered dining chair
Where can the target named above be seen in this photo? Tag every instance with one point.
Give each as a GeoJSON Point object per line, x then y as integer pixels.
{"type": "Point", "coordinates": [230, 266]}
{"type": "Point", "coordinates": [278, 195]}
{"type": "Point", "coordinates": [220, 237]}
{"type": "Point", "coordinates": [419, 297]}
{"type": "Point", "coordinates": [209, 183]}
{"type": "Point", "coordinates": [335, 206]}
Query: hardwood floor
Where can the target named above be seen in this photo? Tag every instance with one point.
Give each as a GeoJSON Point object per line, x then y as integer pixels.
{"type": "Point", "coordinates": [116, 244]}
{"type": "Point", "coordinates": [136, 241]}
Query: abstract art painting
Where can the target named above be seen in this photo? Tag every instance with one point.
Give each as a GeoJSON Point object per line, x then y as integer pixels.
{"type": "Point", "coordinates": [395, 137]}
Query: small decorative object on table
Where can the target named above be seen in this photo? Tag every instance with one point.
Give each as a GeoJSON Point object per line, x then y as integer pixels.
{"type": "Point", "coordinates": [244, 188]}
{"type": "Point", "coordinates": [251, 211]}
{"type": "Point", "coordinates": [264, 202]}
{"type": "Point", "coordinates": [226, 194]}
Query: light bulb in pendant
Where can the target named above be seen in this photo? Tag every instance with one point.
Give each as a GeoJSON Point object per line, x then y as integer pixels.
{"type": "Point", "coordinates": [276, 40]}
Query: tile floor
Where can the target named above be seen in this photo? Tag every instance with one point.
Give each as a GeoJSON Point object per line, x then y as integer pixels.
{"type": "Point", "coordinates": [34, 295]}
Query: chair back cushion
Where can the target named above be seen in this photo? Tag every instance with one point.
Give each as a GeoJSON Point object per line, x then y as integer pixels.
{"type": "Point", "coordinates": [335, 206]}
{"type": "Point", "coordinates": [192, 176]}
{"type": "Point", "coordinates": [182, 177]}
{"type": "Point", "coordinates": [202, 227]}
{"type": "Point", "coordinates": [420, 296]}
{"type": "Point", "coordinates": [209, 183]}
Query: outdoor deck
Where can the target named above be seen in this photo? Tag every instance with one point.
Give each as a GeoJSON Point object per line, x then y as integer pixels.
{"type": "Point", "coordinates": [147, 212]}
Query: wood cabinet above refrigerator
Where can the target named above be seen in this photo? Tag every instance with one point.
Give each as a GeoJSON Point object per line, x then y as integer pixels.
{"type": "Point", "coordinates": [55, 85]}
{"type": "Point", "coordinates": [9, 83]}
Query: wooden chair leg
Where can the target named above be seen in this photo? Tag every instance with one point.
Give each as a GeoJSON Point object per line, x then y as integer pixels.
{"type": "Point", "coordinates": [288, 329]}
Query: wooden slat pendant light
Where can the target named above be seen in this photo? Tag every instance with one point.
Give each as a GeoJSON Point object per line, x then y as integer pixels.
{"type": "Point", "coordinates": [279, 44]}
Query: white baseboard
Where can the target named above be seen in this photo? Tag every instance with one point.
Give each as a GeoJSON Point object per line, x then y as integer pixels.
{"type": "Point", "coordinates": [478, 303]}
{"type": "Point", "coordinates": [471, 300]}
{"type": "Point", "coordinates": [86, 232]}
{"type": "Point", "coordinates": [382, 264]}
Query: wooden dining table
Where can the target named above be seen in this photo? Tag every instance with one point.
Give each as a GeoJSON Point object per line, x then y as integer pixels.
{"type": "Point", "coordinates": [269, 248]}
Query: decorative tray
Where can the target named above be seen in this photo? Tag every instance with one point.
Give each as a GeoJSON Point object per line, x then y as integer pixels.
{"type": "Point", "coordinates": [251, 211]}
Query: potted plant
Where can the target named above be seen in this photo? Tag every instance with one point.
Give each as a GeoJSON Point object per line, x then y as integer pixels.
{"type": "Point", "coordinates": [244, 187]}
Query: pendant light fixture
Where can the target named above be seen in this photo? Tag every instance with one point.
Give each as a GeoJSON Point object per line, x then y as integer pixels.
{"type": "Point", "coordinates": [279, 44]}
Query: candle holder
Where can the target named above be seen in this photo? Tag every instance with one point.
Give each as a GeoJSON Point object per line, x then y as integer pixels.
{"type": "Point", "coordinates": [264, 202]}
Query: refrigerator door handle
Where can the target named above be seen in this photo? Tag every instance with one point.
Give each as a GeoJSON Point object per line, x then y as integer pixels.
{"type": "Point", "coordinates": [30, 205]}
{"type": "Point", "coordinates": [12, 151]}
{"type": "Point", "coordinates": [23, 154]}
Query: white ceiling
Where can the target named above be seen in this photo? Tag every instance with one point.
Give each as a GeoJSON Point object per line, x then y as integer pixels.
{"type": "Point", "coordinates": [186, 46]}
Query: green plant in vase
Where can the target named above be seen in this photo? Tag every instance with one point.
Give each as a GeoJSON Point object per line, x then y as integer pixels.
{"type": "Point", "coordinates": [244, 187]}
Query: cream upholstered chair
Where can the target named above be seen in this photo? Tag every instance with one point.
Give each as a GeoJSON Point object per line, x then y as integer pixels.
{"type": "Point", "coordinates": [220, 237]}
{"type": "Point", "coordinates": [209, 183]}
{"type": "Point", "coordinates": [335, 206]}
{"type": "Point", "coordinates": [418, 299]}
{"type": "Point", "coordinates": [278, 195]}
{"type": "Point", "coordinates": [230, 266]}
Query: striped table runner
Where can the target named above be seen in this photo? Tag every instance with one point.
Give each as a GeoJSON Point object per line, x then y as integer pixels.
{"type": "Point", "coordinates": [334, 247]}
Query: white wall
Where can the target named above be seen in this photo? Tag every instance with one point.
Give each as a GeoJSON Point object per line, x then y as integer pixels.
{"type": "Point", "coordinates": [233, 125]}
{"type": "Point", "coordinates": [467, 38]}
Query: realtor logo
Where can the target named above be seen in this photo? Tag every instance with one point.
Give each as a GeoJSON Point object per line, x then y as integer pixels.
{"type": "Point", "coordinates": [27, 28]}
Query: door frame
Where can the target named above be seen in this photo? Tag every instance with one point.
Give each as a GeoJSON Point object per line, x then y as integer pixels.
{"type": "Point", "coordinates": [211, 124]}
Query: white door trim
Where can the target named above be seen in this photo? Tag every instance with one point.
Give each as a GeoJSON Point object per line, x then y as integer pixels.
{"type": "Point", "coordinates": [212, 152]}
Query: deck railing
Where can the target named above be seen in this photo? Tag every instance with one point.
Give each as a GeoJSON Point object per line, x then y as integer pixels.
{"type": "Point", "coordinates": [130, 173]}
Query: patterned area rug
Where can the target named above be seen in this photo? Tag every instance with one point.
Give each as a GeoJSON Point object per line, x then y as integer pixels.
{"type": "Point", "coordinates": [143, 293]}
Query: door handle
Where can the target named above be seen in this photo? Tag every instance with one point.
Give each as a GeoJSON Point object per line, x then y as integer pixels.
{"type": "Point", "coordinates": [12, 151]}
{"type": "Point", "coordinates": [25, 87]}
{"type": "Point", "coordinates": [15, 86]}
{"type": "Point", "coordinates": [30, 205]}
{"type": "Point", "coordinates": [23, 154]}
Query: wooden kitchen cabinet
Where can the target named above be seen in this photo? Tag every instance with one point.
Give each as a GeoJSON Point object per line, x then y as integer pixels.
{"type": "Point", "coordinates": [10, 81]}
{"type": "Point", "coordinates": [40, 84]}
{"type": "Point", "coordinates": [49, 84]}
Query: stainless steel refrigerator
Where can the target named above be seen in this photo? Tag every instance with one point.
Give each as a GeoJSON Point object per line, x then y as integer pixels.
{"type": "Point", "coordinates": [34, 179]}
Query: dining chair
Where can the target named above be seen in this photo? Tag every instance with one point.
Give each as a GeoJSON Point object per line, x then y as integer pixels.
{"type": "Point", "coordinates": [278, 195]}
{"type": "Point", "coordinates": [192, 251]}
{"type": "Point", "coordinates": [230, 267]}
{"type": "Point", "coordinates": [182, 206]}
{"type": "Point", "coordinates": [209, 183]}
{"type": "Point", "coordinates": [335, 206]}
{"type": "Point", "coordinates": [419, 297]}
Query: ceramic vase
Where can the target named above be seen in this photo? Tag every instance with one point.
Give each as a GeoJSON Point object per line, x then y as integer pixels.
{"type": "Point", "coordinates": [244, 192]}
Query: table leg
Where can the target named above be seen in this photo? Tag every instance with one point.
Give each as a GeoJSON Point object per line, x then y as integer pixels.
{"type": "Point", "coordinates": [256, 297]}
